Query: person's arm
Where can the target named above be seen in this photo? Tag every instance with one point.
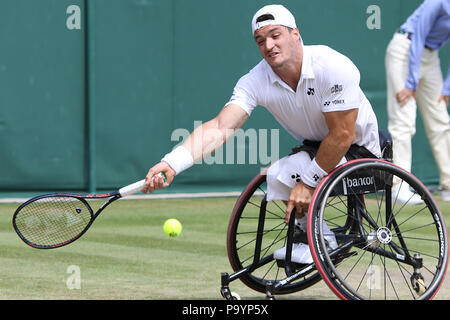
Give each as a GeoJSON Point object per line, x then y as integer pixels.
{"type": "Point", "coordinates": [211, 135]}
{"type": "Point", "coordinates": [424, 23]}
{"type": "Point", "coordinates": [204, 140]}
{"type": "Point", "coordinates": [341, 134]}
{"type": "Point", "coordinates": [341, 126]}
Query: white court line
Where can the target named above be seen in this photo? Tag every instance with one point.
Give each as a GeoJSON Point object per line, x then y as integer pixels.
{"type": "Point", "coordinates": [157, 196]}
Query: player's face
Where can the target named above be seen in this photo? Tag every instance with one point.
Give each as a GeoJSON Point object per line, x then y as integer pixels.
{"type": "Point", "coordinates": [277, 44]}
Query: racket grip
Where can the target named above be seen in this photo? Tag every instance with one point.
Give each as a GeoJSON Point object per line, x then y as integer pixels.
{"type": "Point", "coordinates": [132, 188]}
{"type": "Point", "coordinates": [136, 187]}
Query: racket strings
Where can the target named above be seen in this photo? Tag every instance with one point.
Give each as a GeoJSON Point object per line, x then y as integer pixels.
{"type": "Point", "coordinates": [53, 221]}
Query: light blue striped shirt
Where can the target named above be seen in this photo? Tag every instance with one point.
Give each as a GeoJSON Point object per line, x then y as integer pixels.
{"type": "Point", "coordinates": [429, 26]}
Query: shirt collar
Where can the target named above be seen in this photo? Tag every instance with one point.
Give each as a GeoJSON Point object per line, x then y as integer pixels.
{"type": "Point", "coordinates": [307, 70]}
{"type": "Point", "coordinates": [307, 67]}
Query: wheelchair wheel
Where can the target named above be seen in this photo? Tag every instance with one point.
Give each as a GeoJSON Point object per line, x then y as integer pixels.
{"type": "Point", "coordinates": [385, 249]}
{"type": "Point", "coordinates": [244, 250]}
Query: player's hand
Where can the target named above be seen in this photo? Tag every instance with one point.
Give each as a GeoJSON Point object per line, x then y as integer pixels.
{"type": "Point", "coordinates": [299, 198]}
{"type": "Point", "coordinates": [404, 95]}
{"type": "Point", "coordinates": [154, 182]}
{"type": "Point", "coordinates": [443, 98]}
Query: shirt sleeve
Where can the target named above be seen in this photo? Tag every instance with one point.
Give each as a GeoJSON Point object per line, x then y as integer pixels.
{"type": "Point", "coordinates": [244, 94]}
{"type": "Point", "coordinates": [422, 28]}
{"type": "Point", "coordinates": [341, 89]}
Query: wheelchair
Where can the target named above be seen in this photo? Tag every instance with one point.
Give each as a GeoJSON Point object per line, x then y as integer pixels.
{"type": "Point", "coordinates": [385, 249]}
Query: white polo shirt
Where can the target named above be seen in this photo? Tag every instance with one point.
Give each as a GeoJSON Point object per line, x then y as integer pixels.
{"type": "Point", "coordinates": [329, 82]}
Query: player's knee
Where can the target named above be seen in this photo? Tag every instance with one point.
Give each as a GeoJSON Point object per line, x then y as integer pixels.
{"type": "Point", "coordinates": [276, 190]}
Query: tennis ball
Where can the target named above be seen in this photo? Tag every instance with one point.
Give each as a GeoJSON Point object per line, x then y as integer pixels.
{"type": "Point", "coordinates": [172, 228]}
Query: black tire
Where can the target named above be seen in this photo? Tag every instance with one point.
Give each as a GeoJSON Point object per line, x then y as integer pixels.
{"type": "Point", "coordinates": [390, 250]}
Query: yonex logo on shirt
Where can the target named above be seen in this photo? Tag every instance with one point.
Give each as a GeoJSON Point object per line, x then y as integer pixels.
{"type": "Point", "coordinates": [340, 101]}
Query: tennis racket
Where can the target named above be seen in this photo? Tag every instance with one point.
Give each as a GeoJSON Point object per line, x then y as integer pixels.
{"type": "Point", "coordinates": [54, 220]}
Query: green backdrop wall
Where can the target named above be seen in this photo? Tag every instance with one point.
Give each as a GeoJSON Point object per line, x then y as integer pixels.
{"type": "Point", "coordinates": [94, 107]}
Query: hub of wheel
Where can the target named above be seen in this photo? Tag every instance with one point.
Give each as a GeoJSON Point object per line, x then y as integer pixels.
{"type": "Point", "coordinates": [384, 235]}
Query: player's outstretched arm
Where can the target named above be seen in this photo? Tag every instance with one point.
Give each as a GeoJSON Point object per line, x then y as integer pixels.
{"type": "Point", "coordinates": [204, 140]}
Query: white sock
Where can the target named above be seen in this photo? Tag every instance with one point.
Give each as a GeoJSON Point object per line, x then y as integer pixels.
{"type": "Point", "coordinates": [301, 222]}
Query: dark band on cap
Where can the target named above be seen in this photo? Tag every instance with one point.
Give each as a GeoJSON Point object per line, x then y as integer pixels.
{"type": "Point", "coordinates": [265, 17]}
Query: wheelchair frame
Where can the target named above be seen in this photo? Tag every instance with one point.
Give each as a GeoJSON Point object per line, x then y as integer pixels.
{"type": "Point", "coordinates": [357, 239]}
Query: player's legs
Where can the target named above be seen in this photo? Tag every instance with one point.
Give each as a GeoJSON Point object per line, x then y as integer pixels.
{"type": "Point", "coordinates": [281, 177]}
{"type": "Point", "coordinates": [284, 174]}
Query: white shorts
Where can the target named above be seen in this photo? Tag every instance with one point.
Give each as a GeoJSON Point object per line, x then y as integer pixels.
{"type": "Point", "coordinates": [284, 174]}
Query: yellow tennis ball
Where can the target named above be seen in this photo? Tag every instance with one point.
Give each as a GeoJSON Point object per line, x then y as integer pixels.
{"type": "Point", "coordinates": [172, 227]}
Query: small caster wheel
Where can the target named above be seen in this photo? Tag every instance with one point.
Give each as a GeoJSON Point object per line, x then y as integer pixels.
{"type": "Point", "coordinates": [229, 295]}
{"type": "Point", "coordinates": [269, 291]}
{"type": "Point", "coordinates": [235, 296]}
{"type": "Point", "coordinates": [420, 286]}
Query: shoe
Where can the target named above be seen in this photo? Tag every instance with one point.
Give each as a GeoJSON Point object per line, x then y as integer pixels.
{"type": "Point", "coordinates": [300, 253]}
{"type": "Point", "coordinates": [445, 195]}
{"type": "Point", "coordinates": [405, 196]}
{"type": "Point", "coordinates": [330, 239]}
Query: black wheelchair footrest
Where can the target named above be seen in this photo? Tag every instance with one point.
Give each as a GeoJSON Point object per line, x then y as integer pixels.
{"type": "Point", "coordinates": [300, 237]}
{"type": "Point", "coordinates": [297, 266]}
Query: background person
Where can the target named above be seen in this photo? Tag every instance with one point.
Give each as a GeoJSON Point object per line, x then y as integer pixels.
{"type": "Point", "coordinates": [414, 79]}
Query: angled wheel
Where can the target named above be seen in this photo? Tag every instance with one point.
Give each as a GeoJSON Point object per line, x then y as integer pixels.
{"type": "Point", "coordinates": [385, 249]}
{"type": "Point", "coordinates": [243, 248]}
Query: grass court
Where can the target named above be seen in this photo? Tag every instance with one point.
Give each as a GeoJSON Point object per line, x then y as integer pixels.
{"type": "Point", "coordinates": [126, 255]}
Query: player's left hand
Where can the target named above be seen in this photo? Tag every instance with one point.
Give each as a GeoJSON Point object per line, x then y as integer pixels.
{"type": "Point", "coordinates": [299, 198]}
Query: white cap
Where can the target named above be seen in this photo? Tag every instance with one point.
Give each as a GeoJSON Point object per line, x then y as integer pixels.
{"type": "Point", "coordinates": [281, 15]}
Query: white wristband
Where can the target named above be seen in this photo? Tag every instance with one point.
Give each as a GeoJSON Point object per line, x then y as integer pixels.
{"type": "Point", "coordinates": [179, 159]}
{"type": "Point", "coordinates": [313, 174]}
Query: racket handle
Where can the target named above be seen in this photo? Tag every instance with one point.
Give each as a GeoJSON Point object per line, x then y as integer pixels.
{"type": "Point", "coordinates": [132, 188]}
{"type": "Point", "coordinates": [136, 187]}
